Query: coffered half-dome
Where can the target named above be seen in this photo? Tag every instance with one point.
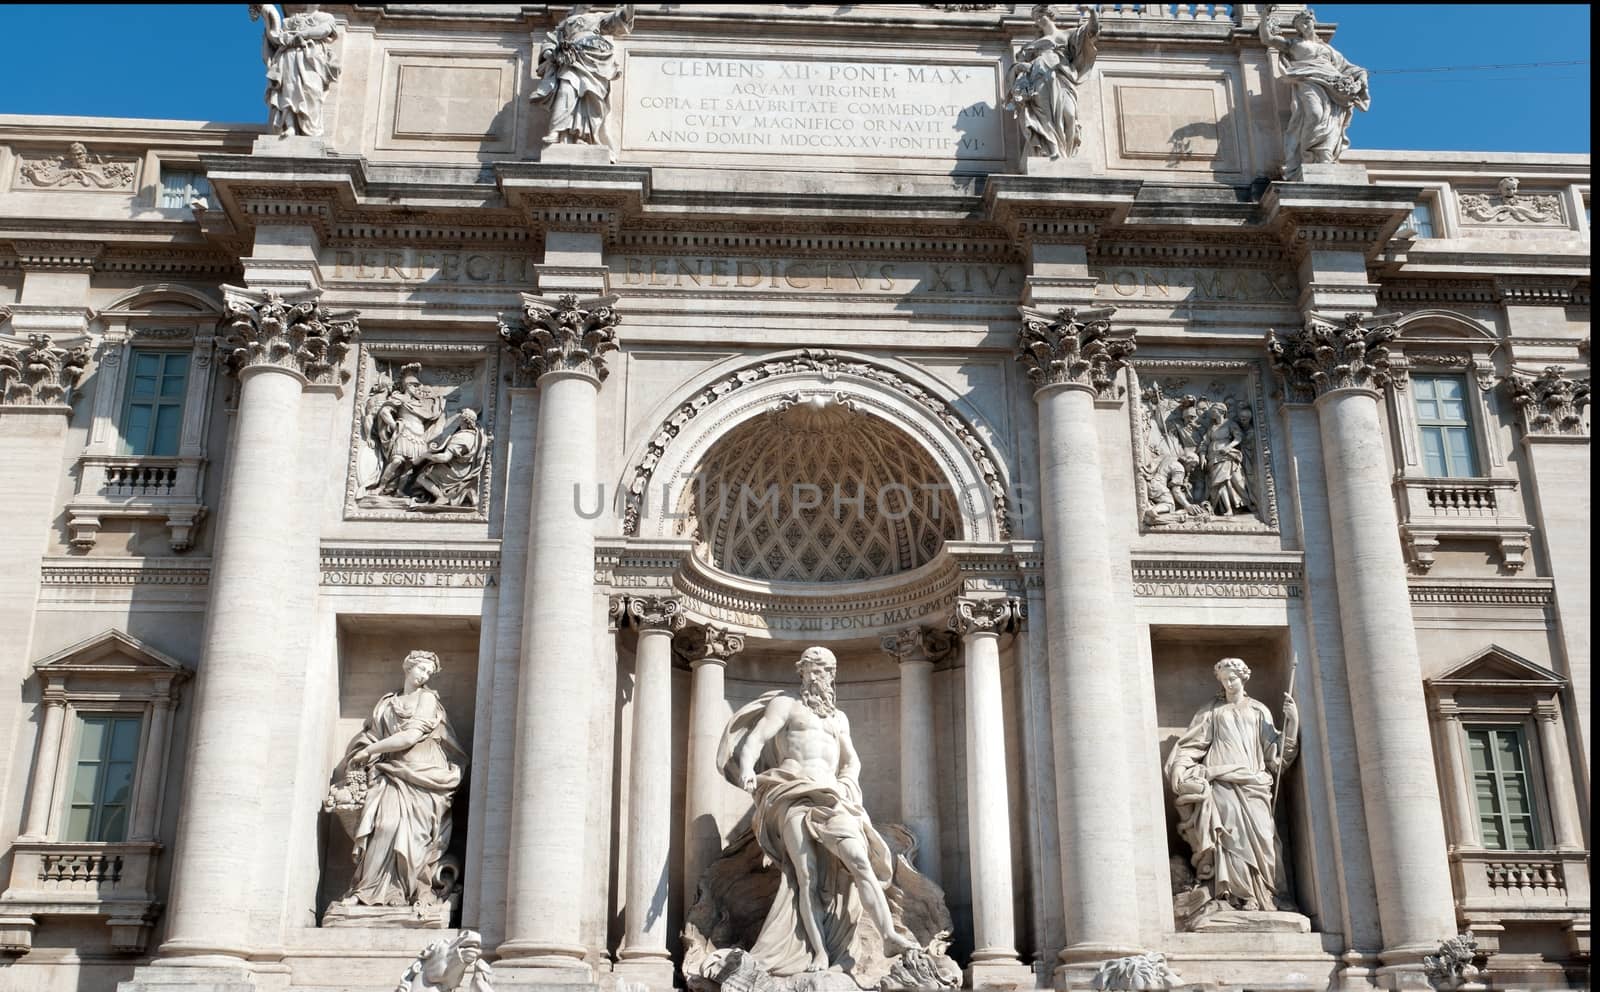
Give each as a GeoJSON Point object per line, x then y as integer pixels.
{"type": "Point", "coordinates": [819, 491]}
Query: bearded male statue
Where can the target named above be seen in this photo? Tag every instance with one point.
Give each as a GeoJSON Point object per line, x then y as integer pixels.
{"type": "Point", "coordinates": [793, 753]}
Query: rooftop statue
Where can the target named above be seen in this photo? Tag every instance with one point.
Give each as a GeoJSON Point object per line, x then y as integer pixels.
{"type": "Point", "coordinates": [577, 65]}
{"type": "Point", "coordinates": [1043, 89]}
{"type": "Point", "coordinates": [1328, 90]}
{"type": "Point", "coordinates": [301, 66]}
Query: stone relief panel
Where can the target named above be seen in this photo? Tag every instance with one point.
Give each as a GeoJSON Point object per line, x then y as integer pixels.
{"type": "Point", "coordinates": [1203, 447]}
{"type": "Point", "coordinates": [462, 99]}
{"type": "Point", "coordinates": [1506, 206]}
{"type": "Point", "coordinates": [421, 442]}
{"type": "Point", "coordinates": [77, 169]}
{"type": "Point", "coordinates": [1181, 119]}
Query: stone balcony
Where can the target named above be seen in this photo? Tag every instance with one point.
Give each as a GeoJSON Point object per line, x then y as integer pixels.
{"type": "Point", "coordinates": [115, 881]}
{"type": "Point", "coordinates": [166, 489]}
{"type": "Point", "coordinates": [1433, 510]}
{"type": "Point", "coordinates": [1494, 888]}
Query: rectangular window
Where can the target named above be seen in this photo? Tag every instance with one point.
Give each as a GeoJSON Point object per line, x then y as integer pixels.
{"type": "Point", "coordinates": [1448, 450]}
{"type": "Point", "coordinates": [102, 780]}
{"type": "Point", "coordinates": [1421, 221]}
{"type": "Point", "coordinates": [152, 417]}
{"type": "Point", "coordinates": [1502, 788]}
{"type": "Point", "coordinates": [179, 187]}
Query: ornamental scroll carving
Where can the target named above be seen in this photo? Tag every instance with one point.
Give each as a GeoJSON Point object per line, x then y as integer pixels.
{"type": "Point", "coordinates": [1073, 347]}
{"type": "Point", "coordinates": [1551, 402]}
{"type": "Point", "coordinates": [1331, 353]}
{"type": "Point", "coordinates": [812, 362]}
{"type": "Point", "coordinates": [262, 328]}
{"type": "Point", "coordinates": [1203, 450]}
{"type": "Point", "coordinates": [988, 616]}
{"type": "Point", "coordinates": [78, 169]}
{"type": "Point", "coordinates": [571, 335]}
{"type": "Point", "coordinates": [1507, 206]}
{"type": "Point", "coordinates": [39, 373]}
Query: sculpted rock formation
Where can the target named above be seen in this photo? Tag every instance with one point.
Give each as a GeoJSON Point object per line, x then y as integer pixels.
{"type": "Point", "coordinates": [1043, 89]}
{"type": "Point", "coordinates": [1224, 772]}
{"type": "Point", "coordinates": [399, 780]}
{"type": "Point", "coordinates": [1327, 91]}
{"type": "Point", "coordinates": [809, 894]}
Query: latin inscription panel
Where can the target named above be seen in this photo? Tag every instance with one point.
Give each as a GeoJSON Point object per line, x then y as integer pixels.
{"type": "Point", "coordinates": [812, 107]}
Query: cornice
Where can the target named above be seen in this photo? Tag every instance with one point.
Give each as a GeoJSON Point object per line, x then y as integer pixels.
{"type": "Point", "coordinates": [1482, 592]}
{"type": "Point", "coordinates": [1166, 577]}
{"type": "Point", "coordinates": [125, 571]}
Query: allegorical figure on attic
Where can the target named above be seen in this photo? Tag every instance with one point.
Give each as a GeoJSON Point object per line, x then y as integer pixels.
{"type": "Point", "coordinates": [1043, 89]}
{"type": "Point", "coordinates": [301, 66]}
{"type": "Point", "coordinates": [577, 65]}
{"type": "Point", "coordinates": [1327, 91]}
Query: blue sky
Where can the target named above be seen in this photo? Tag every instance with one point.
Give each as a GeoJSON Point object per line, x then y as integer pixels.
{"type": "Point", "coordinates": [202, 62]}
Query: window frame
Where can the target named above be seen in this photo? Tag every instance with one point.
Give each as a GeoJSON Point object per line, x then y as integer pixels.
{"type": "Point", "coordinates": [126, 444]}
{"type": "Point", "coordinates": [1467, 425]}
{"type": "Point", "coordinates": [102, 763]}
{"type": "Point", "coordinates": [1538, 810]}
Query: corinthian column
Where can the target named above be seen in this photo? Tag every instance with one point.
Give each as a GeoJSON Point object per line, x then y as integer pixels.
{"type": "Point", "coordinates": [643, 957]}
{"type": "Point", "coordinates": [980, 622]}
{"type": "Point", "coordinates": [709, 649]}
{"type": "Point", "coordinates": [1073, 356]}
{"type": "Point", "coordinates": [276, 346]}
{"type": "Point", "coordinates": [561, 346]}
{"type": "Point", "coordinates": [1342, 365]}
{"type": "Point", "coordinates": [919, 779]}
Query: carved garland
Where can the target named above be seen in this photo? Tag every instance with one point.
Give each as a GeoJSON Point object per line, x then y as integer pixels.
{"type": "Point", "coordinates": [811, 362]}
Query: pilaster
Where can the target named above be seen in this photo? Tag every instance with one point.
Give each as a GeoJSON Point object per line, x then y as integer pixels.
{"type": "Point", "coordinates": [709, 649]}
{"type": "Point", "coordinates": [919, 779]}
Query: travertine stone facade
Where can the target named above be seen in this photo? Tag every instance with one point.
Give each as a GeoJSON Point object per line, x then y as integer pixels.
{"type": "Point", "coordinates": [598, 366]}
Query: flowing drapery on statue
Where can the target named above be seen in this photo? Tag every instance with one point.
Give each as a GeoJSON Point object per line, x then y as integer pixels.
{"type": "Point", "coordinates": [1043, 89]}
{"type": "Point", "coordinates": [406, 765]}
{"type": "Point", "coordinates": [577, 65]}
{"type": "Point", "coordinates": [1327, 91]}
{"type": "Point", "coordinates": [301, 66]}
{"type": "Point", "coordinates": [1222, 772]}
{"type": "Point", "coordinates": [843, 902]}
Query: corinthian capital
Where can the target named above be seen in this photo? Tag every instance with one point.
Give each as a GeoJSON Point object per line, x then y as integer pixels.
{"type": "Point", "coordinates": [1074, 348]}
{"type": "Point", "coordinates": [1551, 402]}
{"type": "Point", "coordinates": [988, 616]}
{"type": "Point", "coordinates": [570, 336]}
{"type": "Point", "coordinates": [38, 373]}
{"type": "Point", "coordinates": [650, 612]}
{"type": "Point", "coordinates": [263, 328]}
{"type": "Point", "coordinates": [1333, 353]}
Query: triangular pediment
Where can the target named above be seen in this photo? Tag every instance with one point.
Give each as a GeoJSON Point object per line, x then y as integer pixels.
{"type": "Point", "coordinates": [111, 652]}
{"type": "Point", "coordinates": [1497, 667]}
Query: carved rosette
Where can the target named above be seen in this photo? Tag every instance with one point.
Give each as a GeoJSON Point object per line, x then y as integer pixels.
{"type": "Point", "coordinates": [1551, 402]}
{"type": "Point", "coordinates": [650, 613]}
{"type": "Point", "coordinates": [711, 643]}
{"type": "Point", "coordinates": [571, 336]}
{"type": "Point", "coordinates": [1074, 348]}
{"type": "Point", "coordinates": [263, 328]}
{"type": "Point", "coordinates": [39, 373]}
{"type": "Point", "coordinates": [988, 616]}
{"type": "Point", "coordinates": [1326, 355]}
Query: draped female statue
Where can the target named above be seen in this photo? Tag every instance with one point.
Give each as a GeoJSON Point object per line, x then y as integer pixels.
{"type": "Point", "coordinates": [1222, 771]}
{"type": "Point", "coordinates": [1328, 90]}
{"type": "Point", "coordinates": [301, 66]}
{"type": "Point", "coordinates": [577, 65]}
{"type": "Point", "coordinates": [409, 764]}
{"type": "Point", "coordinates": [1043, 89]}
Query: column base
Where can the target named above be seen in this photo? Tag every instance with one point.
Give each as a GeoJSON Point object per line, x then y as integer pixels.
{"type": "Point", "coordinates": [167, 977]}
{"type": "Point", "coordinates": [521, 964]}
{"type": "Point", "coordinates": [1079, 963]}
{"type": "Point", "coordinates": [653, 971]}
{"type": "Point", "coordinates": [998, 969]}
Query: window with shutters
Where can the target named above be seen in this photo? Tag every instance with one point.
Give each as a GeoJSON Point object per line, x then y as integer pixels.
{"type": "Point", "coordinates": [1502, 788]}
{"type": "Point", "coordinates": [1448, 448]}
{"type": "Point", "coordinates": [152, 417]}
{"type": "Point", "coordinates": [102, 777]}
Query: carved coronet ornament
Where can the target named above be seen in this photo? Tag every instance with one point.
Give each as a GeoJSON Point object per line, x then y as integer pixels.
{"type": "Point", "coordinates": [1551, 402]}
{"type": "Point", "coordinates": [264, 328]}
{"type": "Point", "coordinates": [1074, 347]}
{"type": "Point", "coordinates": [1330, 354]}
{"type": "Point", "coordinates": [570, 336]}
{"type": "Point", "coordinates": [39, 373]}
